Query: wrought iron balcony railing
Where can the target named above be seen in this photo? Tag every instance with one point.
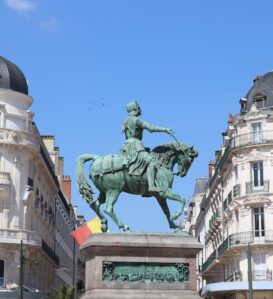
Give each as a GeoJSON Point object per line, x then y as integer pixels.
{"type": "Point", "coordinates": [5, 178]}
{"type": "Point", "coordinates": [235, 276]}
{"type": "Point", "coordinates": [250, 188]}
{"type": "Point", "coordinates": [220, 165]}
{"type": "Point", "coordinates": [262, 137]}
{"type": "Point", "coordinates": [252, 138]}
{"type": "Point", "coordinates": [262, 275]}
{"type": "Point", "coordinates": [50, 253]}
{"type": "Point", "coordinates": [227, 201]}
{"type": "Point", "coordinates": [15, 237]}
{"type": "Point", "coordinates": [242, 238]}
{"type": "Point", "coordinates": [236, 190]}
{"type": "Point", "coordinates": [215, 219]}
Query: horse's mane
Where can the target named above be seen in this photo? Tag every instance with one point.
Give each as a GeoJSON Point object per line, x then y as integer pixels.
{"type": "Point", "coordinates": [166, 147]}
{"type": "Point", "coordinates": [165, 151]}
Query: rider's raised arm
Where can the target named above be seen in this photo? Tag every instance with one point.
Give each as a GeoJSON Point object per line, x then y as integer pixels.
{"type": "Point", "coordinates": [151, 128]}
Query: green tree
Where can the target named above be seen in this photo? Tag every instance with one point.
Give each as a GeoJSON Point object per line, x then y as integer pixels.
{"type": "Point", "coordinates": [63, 292]}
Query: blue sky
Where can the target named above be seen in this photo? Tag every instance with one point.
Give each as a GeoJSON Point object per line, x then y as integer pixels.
{"type": "Point", "coordinates": [187, 62]}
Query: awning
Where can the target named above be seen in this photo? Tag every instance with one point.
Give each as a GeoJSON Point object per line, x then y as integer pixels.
{"type": "Point", "coordinates": [236, 286]}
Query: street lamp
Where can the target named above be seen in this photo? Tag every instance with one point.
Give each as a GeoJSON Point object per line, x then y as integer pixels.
{"type": "Point", "coordinates": [249, 257]}
{"type": "Point", "coordinates": [21, 273]}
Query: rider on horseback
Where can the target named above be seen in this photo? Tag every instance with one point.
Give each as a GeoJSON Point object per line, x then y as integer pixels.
{"type": "Point", "coordinates": [137, 157]}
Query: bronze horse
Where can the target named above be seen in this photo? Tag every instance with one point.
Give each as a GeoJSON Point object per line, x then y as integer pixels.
{"type": "Point", "coordinates": [111, 177]}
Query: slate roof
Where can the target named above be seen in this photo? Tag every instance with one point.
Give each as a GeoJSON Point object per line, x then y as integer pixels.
{"type": "Point", "coordinates": [200, 185]}
{"type": "Point", "coordinates": [263, 85]}
{"type": "Point", "coordinates": [11, 77]}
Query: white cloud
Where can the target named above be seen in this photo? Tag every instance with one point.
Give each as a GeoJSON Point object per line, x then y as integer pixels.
{"type": "Point", "coordinates": [20, 5]}
{"type": "Point", "coordinates": [49, 24]}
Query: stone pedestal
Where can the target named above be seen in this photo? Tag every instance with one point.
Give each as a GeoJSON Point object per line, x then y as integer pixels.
{"type": "Point", "coordinates": [139, 265]}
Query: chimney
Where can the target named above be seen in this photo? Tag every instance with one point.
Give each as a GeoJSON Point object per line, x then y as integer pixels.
{"type": "Point", "coordinates": [67, 187]}
{"type": "Point", "coordinates": [211, 168]}
{"type": "Point", "coordinates": [230, 119]}
{"type": "Point", "coordinates": [257, 78]}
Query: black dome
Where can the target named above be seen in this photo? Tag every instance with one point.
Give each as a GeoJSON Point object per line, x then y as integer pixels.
{"type": "Point", "coordinates": [261, 92]}
{"type": "Point", "coordinates": [11, 77]}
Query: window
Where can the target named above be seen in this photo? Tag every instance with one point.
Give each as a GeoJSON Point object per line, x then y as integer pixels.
{"type": "Point", "coordinates": [256, 133]}
{"type": "Point", "coordinates": [259, 99]}
{"type": "Point", "coordinates": [259, 266]}
{"type": "Point", "coordinates": [258, 222]}
{"type": "Point", "coordinates": [2, 281]}
{"type": "Point", "coordinates": [257, 174]}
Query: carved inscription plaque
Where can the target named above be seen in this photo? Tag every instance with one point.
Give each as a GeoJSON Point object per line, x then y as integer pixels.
{"type": "Point", "coordinates": [145, 272]}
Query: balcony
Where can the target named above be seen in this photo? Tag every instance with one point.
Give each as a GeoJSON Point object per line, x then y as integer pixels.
{"type": "Point", "coordinates": [238, 239]}
{"type": "Point", "coordinates": [250, 188]}
{"type": "Point", "coordinates": [15, 237]}
{"type": "Point", "coordinates": [262, 137]}
{"type": "Point", "coordinates": [219, 165]}
{"type": "Point", "coordinates": [227, 201]}
{"type": "Point", "coordinates": [5, 178]}
{"type": "Point", "coordinates": [50, 253]}
{"type": "Point", "coordinates": [235, 276]}
{"type": "Point", "coordinates": [262, 275]}
{"type": "Point", "coordinates": [216, 219]}
{"type": "Point", "coordinates": [237, 190]}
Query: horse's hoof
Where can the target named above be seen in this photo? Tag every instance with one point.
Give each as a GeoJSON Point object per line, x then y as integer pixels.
{"type": "Point", "coordinates": [104, 227]}
{"type": "Point", "coordinates": [126, 228]}
{"type": "Point", "coordinates": [174, 217]}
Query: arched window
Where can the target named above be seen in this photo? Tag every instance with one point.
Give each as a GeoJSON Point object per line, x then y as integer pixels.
{"type": "Point", "coordinates": [2, 280]}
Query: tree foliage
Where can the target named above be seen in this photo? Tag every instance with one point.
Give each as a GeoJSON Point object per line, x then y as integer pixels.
{"type": "Point", "coordinates": [63, 292]}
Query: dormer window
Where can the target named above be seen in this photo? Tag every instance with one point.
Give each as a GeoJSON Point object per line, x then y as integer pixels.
{"type": "Point", "coordinates": [243, 103]}
{"type": "Point", "coordinates": [259, 99]}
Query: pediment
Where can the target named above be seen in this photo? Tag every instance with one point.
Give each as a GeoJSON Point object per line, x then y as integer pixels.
{"type": "Point", "coordinates": [256, 199]}
{"type": "Point", "coordinates": [255, 155]}
{"type": "Point", "coordinates": [254, 113]}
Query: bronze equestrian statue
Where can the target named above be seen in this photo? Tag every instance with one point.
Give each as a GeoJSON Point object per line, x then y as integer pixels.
{"type": "Point", "coordinates": [136, 170]}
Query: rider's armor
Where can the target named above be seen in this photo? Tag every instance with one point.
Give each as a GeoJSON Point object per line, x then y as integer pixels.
{"type": "Point", "coordinates": [137, 157]}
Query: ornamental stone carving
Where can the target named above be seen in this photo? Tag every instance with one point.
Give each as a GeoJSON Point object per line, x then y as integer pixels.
{"type": "Point", "coordinates": [4, 178]}
{"type": "Point", "coordinates": [244, 211]}
{"type": "Point", "coordinates": [269, 209]}
{"type": "Point", "coordinates": [255, 155]}
{"type": "Point", "coordinates": [256, 199]}
{"type": "Point", "coordinates": [16, 137]}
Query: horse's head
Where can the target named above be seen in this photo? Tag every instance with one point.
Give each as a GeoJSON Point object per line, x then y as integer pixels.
{"type": "Point", "coordinates": [185, 155]}
{"type": "Point", "coordinates": [169, 154]}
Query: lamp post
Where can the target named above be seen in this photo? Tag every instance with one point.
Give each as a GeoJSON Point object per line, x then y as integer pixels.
{"type": "Point", "coordinates": [21, 273]}
{"type": "Point", "coordinates": [250, 288]}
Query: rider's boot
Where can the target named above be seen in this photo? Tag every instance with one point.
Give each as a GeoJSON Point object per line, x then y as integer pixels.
{"type": "Point", "coordinates": [151, 179]}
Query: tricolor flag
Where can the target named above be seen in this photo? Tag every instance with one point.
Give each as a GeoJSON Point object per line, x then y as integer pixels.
{"type": "Point", "coordinates": [84, 231]}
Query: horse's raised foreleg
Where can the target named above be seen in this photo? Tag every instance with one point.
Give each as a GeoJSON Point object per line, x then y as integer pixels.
{"type": "Point", "coordinates": [163, 204]}
{"type": "Point", "coordinates": [174, 196]}
{"type": "Point", "coordinates": [111, 198]}
{"type": "Point", "coordinates": [95, 206]}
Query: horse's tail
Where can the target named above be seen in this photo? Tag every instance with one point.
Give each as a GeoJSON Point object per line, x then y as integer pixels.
{"type": "Point", "coordinates": [83, 185]}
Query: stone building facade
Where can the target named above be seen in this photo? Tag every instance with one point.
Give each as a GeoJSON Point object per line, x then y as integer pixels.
{"type": "Point", "coordinates": [236, 208]}
{"type": "Point", "coordinates": [33, 206]}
